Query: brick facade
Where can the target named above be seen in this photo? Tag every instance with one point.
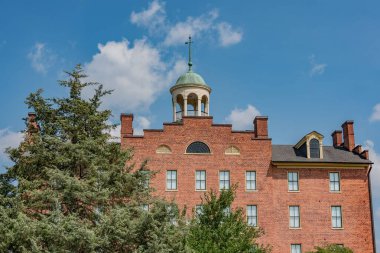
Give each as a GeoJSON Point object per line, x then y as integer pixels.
{"type": "Point", "coordinates": [271, 196]}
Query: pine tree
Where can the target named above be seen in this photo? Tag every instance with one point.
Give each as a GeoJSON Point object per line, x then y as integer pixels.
{"type": "Point", "coordinates": [218, 229]}
{"type": "Point", "coordinates": [70, 189]}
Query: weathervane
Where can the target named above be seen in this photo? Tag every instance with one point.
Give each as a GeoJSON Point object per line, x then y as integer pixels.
{"type": "Point", "coordinates": [189, 43]}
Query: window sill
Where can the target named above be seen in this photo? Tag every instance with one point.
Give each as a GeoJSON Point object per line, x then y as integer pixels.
{"type": "Point", "coordinates": [251, 190]}
{"type": "Point", "coordinates": [295, 228]}
{"type": "Point", "coordinates": [337, 228]}
{"type": "Point", "coordinates": [294, 191]}
{"type": "Point", "coordinates": [171, 190]}
{"type": "Point", "coordinates": [335, 192]}
{"type": "Point", "coordinates": [200, 190]}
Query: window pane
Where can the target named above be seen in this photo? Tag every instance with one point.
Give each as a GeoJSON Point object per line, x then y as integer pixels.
{"type": "Point", "coordinates": [296, 248]}
{"type": "Point", "coordinates": [334, 181]}
{"type": "Point", "coordinates": [336, 216]}
{"type": "Point", "coordinates": [314, 148]}
{"type": "Point", "coordinates": [171, 180]}
{"type": "Point", "coordinates": [293, 181]}
{"type": "Point", "coordinates": [294, 217]}
{"type": "Point", "coordinates": [198, 209]}
{"type": "Point", "coordinates": [198, 147]}
{"type": "Point", "coordinates": [252, 215]}
{"type": "Point", "coordinates": [251, 180]}
{"type": "Point", "coordinates": [224, 180]}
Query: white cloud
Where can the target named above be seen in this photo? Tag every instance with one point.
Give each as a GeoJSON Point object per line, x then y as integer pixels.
{"type": "Point", "coordinates": [227, 35]}
{"type": "Point", "coordinates": [204, 26]}
{"type": "Point", "coordinates": [316, 68]}
{"type": "Point", "coordinates": [141, 123]}
{"type": "Point", "coordinates": [41, 58]}
{"type": "Point", "coordinates": [375, 172]}
{"type": "Point", "coordinates": [376, 113]}
{"type": "Point", "coordinates": [153, 18]}
{"type": "Point", "coordinates": [243, 118]}
{"type": "Point", "coordinates": [136, 73]}
{"type": "Point", "coordinates": [196, 27]}
{"type": "Point", "coordinates": [8, 138]}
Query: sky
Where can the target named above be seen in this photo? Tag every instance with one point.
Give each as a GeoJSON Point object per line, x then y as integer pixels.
{"type": "Point", "coordinates": [307, 65]}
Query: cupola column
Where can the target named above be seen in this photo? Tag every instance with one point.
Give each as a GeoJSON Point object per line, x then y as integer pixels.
{"type": "Point", "coordinates": [185, 106]}
{"type": "Point", "coordinates": [207, 106]}
{"type": "Point", "coordinates": [199, 106]}
{"type": "Point", "coordinates": [174, 110]}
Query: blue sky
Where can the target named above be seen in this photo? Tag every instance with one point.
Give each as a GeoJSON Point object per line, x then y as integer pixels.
{"type": "Point", "coordinates": [308, 65]}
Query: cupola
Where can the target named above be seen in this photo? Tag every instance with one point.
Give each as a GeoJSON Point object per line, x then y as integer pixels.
{"type": "Point", "coordinates": [190, 94]}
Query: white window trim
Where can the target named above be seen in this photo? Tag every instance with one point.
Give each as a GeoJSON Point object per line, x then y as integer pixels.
{"type": "Point", "coordinates": [166, 180]}
{"type": "Point", "coordinates": [298, 180]}
{"type": "Point", "coordinates": [299, 217]}
{"type": "Point", "coordinates": [229, 181]}
{"type": "Point", "coordinates": [245, 178]}
{"type": "Point", "coordinates": [195, 181]}
{"type": "Point", "coordinates": [340, 182]}
{"type": "Point", "coordinates": [295, 244]}
{"type": "Point", "coordinates": [341, 217]}
{"type": "Point", "coordinates": [257, 214]}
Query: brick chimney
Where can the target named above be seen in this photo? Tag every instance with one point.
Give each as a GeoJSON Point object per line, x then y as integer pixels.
{"type": "Point", "coordinates": [337, 138]}
{"type": "Point", "coordinates": [365, 154]}
{"type": "Point", "coordinates": [33, 126]}
{"type": "Point", "coordinates": [126, 124]}
{"type": "Point", "coordinates": [348, 135]}
{"type": "Point", "coordinates": [261, 126]}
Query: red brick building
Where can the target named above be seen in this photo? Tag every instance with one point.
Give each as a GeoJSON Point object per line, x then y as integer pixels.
{"type": "Point", "coordinates": [303, 194]}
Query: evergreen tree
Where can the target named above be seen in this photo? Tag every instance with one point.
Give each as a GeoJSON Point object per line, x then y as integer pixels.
{"type": "Point", "coordinates": [218, 229]}
{"type": "Point", "coordinates": [70, 189]}
{"type": "Point", "coordinates": [332, 248]}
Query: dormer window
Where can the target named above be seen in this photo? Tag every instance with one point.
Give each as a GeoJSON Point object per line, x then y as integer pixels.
{"type": "Point", "coordinates": [314, 148]}
{"type": "Point", "coordinates": [310, 146]}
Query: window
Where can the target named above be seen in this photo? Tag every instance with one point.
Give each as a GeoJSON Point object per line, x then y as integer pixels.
{"type": "Point", "coordinates": [252, 215]}
{"type": "Point", "coordinates": [250, 180]}
{"type": "Point", "coordinates": [145, 179]}
{"type": "Point", "coordinates": [145, 207]}
{"type": "Point", "coordinates": [336, 216]}
{"type": "Point", "coordinates": [227, 210]}
{"type": "Point", "coordinates": [171, 180]}
{"type": "Point", "coordinates": [198, 209]}
{"type": "Point", "coordinates": [224, 180]}
{"type": "Point", "coordinates": [293, 181]}
{"type": "Point", "coordinates": [163, 149]}
{"type": "Point", "coordinates": [295, 248]}
{"type": "Point", "coordinates": [294, 219]}
{"type": "Point", "coordinates": [334, 181]}
{"type": "Point", "coordinates": [200, 180]}
{"type": "Point", "coordinates": [232, 150]}
{"type": "Point", "coordinates": [198, 148]}
{"type": "Point", "coordinates": [314, 148]}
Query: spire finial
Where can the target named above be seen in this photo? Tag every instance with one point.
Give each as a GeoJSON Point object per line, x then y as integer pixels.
{"type": "Point", "coordinates": [189, 42]}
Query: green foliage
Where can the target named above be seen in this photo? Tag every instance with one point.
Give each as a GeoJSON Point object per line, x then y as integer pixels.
{"type": "Point", "coordinates": [215, 230]}
{"type": "Point", "coordinates": [332, 248]}
{"type": "Point", "coordinates": [70, 189]}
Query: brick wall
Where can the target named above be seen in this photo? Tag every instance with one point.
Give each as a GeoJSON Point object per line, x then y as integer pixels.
{"type": "Point", "coordinates": [272, 197]}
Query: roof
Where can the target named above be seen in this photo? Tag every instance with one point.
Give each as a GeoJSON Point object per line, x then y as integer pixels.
{"type": "Point", "coordinates": [287, 153]}
{"type": "Point", "coordinates": [190, 77]}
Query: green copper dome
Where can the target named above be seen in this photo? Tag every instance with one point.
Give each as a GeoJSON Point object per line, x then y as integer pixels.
{"type": "Point", "coordinates": [190, 77]}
